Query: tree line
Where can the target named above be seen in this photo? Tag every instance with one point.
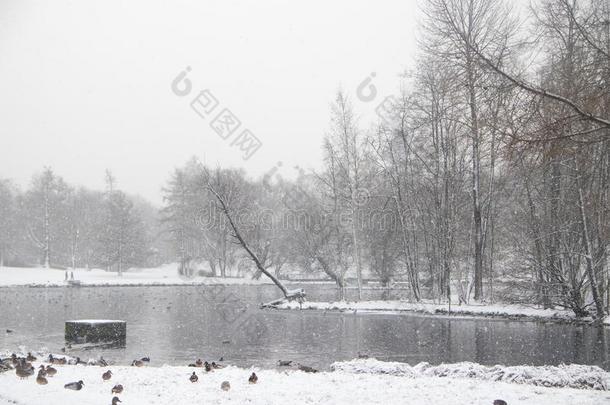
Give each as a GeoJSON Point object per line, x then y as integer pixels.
{"type": "Point", "coordinates": [52, 224]}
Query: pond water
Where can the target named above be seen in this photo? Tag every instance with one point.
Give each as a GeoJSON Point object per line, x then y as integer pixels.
{"type": "Point", "coordinates": [176, 325]}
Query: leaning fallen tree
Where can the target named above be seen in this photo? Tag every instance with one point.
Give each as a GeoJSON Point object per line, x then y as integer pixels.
{"type": "Point", "coordinates": [288, 295]}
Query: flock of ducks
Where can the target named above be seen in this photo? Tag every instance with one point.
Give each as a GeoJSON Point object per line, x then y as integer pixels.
{"type": "Point", "coordinates": [24, 369]}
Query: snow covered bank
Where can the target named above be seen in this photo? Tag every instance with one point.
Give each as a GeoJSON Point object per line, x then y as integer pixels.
{"type": "Point", "coordinates": [508, 311]}
{"type": "Point", "coordinates": [573, 376]}
{"type": "Point", "coordinates": [166, 275]}
{"type": "Point", "coordinates": [171, 385]}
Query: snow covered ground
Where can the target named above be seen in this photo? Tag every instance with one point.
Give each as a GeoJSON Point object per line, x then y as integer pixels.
{"type": "Point", "coordinates": [171, 385]}
{"type": "Point", "coordinates": [491, 310]}
{"type": "Point", "coordinates": [165, 275]}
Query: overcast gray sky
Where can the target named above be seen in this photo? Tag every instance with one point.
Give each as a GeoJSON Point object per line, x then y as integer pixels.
{"type": "Point", "coordinates": [85, 86]}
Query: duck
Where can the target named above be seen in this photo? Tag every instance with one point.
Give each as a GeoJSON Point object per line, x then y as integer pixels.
{"type": "Point", "coordinates": [50, 371]}
{"type": "Point", "coordinates": [76, 386]}
{"type": "Point", "coordinates": [30, 357]}
{"type": "Point", "coordinates": [42, 370]}
{"type": "Point", "coordinates": [145, 359]}
{"type": "Point", "coordinates": [137, 363]}
{"type": "Point", "coordinates": [57, 360]}
{"type": "Point", "coordinates": [194, 378]}
{"type": "Point", "coordinates": [225, 386]}
{"type": "Point", "coordinates": [307, 369]}
{"type": "Point", "coordinates": [208, 366]}
{"type": "Point", "coordinates": [500, 402]}
{"type": "Point", "coordinates": [102, 362]}
{"type": "Point", "coordinates": [253, 378]}
{"type": "Point", "coordinates": [115, 400]}
{"type": "Point", "coordinates": [23, 370]}
{"type": "Point", "coordinates": [5, 366]}
{"type": "Point", "coordinates": [117, 389]}
{"type": "Point", "coordinates": [107, 375]}
{"type": "Point", "coordinates": [40, 378]}
{"type": "Point", "coordinates": [216, 365]}
{"type": "Point", "coordinates": [284, 363]}
{"type": "Point", "coordinates": [199, 363]}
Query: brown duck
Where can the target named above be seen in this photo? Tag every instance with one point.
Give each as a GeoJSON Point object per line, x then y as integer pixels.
{"type": "Point", "coordinates": [225, 386]}
{"type": "Point", "coordinates": [117, 389]}
{"type": "Point", "coordinates": [50, 371]}
{"type": "Point", "coordinates": [253, 378]}
{"type": "Point", "coordinates": [194, 378]}
{"type": "Point", "coordinates": [40, 379]}
{"type": "Point", "coordinates": [24, 371]}
{"type": "Point", "coordinates": [137, 363]}
{"type": "Point", "coordinates": [107, 375]}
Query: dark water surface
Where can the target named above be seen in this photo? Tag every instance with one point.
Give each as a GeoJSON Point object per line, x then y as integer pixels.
{"type": "Point", "coordinates": [176, 325]}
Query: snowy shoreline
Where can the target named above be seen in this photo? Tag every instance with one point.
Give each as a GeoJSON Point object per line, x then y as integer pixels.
{"type": "Point", "coordinates": [355, 382]}
{"type": "Point", "coordinates": [166, 276]}
{"type": "Point", "coordinates": [492, 311]}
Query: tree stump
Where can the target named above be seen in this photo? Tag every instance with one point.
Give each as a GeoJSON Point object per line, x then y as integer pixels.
{"type": "Point", "coordinates": [96, 331]}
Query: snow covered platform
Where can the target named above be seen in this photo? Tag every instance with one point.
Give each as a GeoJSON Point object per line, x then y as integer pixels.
{"type": "Point", "coordinates": [96, 330]}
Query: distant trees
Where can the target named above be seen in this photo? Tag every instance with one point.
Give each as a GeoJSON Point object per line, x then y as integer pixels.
{"type": "Point", "coordinates": [52, 224]}
{"type": "Point", "coordinates": [122, 238]}
{"type": "Point", "coordinates": [9, 234]}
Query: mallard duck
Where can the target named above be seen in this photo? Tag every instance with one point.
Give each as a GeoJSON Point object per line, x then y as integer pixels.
{"type": "Point", "coordinates": [145, 359]}
{"type": "Point", "coordinates": [23, 371]}
{"type": "Point", "coordinates": [307, 369]}
{"type": "Point", "coordinates": [57, 360]}
{"type": "Point", "coordinates": [42, 370]}
{"type": "Point", "coordinates": [115, 400]}
{"type": "Point", "coordinates": [253, 378]}
{"type": "Point", "coordinates": [117, 389]}
{"type": "Point", "coordinates": [40, 379]}
{"type": "Point", "coordinates": [50, 371]}
{"type": "Point", "coordinates": [137, 363]}
{"type": "Point", "coordinates": [76, 386]}
{"type": "Point", "coordinates": [208, 366]}
{"type": "Point", "coordinates": [30, 357]}
{"type": "Point", "coordinates": [284, 363]}
{"type": "Point", "coordinates": [102, 362]}
{"type": "Point", "coordinates": [199, 363]}
{"type": "Point", "coordinates": [225, 386]}
{"type": "Point", "coordinates": [194, 378]}
{"type": "Point", "coordinates": [107, 375]}
{"type": "Point", "coordinates": [216, 365]}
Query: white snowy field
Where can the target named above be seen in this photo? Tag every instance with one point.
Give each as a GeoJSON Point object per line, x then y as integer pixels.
{"type": "Point", "coordinates": [171, 385]}
{"type": "Point", "coordinates": [164, 275]}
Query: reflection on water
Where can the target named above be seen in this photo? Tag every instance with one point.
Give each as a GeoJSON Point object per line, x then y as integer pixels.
{"type": "Point", "coordinates": [175, 325]}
